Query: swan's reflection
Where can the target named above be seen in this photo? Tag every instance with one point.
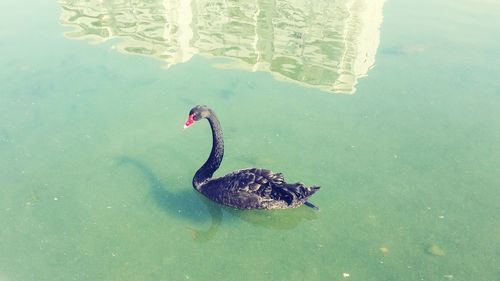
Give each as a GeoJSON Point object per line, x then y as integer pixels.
{"type": "Point", "coordinates": [325, 44]}
{"type": "Point", "coordinates": [188, 204]}
{"type": "Point", "coordinates": [277, 219]}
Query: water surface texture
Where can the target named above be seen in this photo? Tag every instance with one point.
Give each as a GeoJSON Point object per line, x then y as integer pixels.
{"type": "Point", "coordinates": [95, 169]}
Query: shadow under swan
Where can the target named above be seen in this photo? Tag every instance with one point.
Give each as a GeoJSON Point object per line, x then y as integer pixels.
{"type": "Point", "coordinates": [184, 205]}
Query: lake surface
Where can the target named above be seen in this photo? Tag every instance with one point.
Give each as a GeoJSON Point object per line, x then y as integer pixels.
{"type": "Point", "coordinates": [393, 108]}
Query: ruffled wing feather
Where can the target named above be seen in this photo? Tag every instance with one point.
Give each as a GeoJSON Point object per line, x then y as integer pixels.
{"type": "Point", "coordinates": [256, 188]}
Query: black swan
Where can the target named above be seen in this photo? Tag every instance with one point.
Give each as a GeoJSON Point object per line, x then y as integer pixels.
{"type": "Point", "coordinates": [251, 188]}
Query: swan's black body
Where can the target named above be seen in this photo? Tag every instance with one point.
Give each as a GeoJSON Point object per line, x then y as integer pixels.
{"type": "Point", "coordinates": [251, 188]}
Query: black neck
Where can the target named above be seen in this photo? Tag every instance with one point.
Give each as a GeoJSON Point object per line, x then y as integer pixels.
{"type": "Point", "coordinates": [213, 162]}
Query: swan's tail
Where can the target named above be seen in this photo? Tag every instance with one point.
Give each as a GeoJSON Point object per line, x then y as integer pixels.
{"type": "Point", "coordinates": [310, 191]}
{"type": "Point", "coordinates": [313, 189]}
{"type": "Point", "coordinates": [297, 193]}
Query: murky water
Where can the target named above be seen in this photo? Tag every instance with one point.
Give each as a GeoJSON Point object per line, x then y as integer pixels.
{"type": "Point", "coordinates": [95, 169]}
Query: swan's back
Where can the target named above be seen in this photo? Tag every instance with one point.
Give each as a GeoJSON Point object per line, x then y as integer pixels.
{"type": "Point", "coordinates": [256, 189]}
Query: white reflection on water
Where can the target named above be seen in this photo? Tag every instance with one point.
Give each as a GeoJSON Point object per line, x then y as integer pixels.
{"type": "Point", "coordinates": [327, 44]}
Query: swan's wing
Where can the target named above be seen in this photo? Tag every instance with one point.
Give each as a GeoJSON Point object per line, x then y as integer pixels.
{"type": "Point", "coordinates": [260, 183]}
{"type": "Point", "coordinates": [254, 179]}
{"type": "Point", "coordinates": [255, 188]}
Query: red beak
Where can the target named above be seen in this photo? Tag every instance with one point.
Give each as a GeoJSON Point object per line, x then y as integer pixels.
{"type": "Point", "coordinates": [189, 122]}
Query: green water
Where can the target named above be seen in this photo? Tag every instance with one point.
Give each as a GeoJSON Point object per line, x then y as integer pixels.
{"type": "Point", "coordinates": [95, 170]}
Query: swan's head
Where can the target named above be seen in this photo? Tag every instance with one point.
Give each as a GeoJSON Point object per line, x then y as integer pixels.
{"type": "Point", "coordinates": [196, 113]}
